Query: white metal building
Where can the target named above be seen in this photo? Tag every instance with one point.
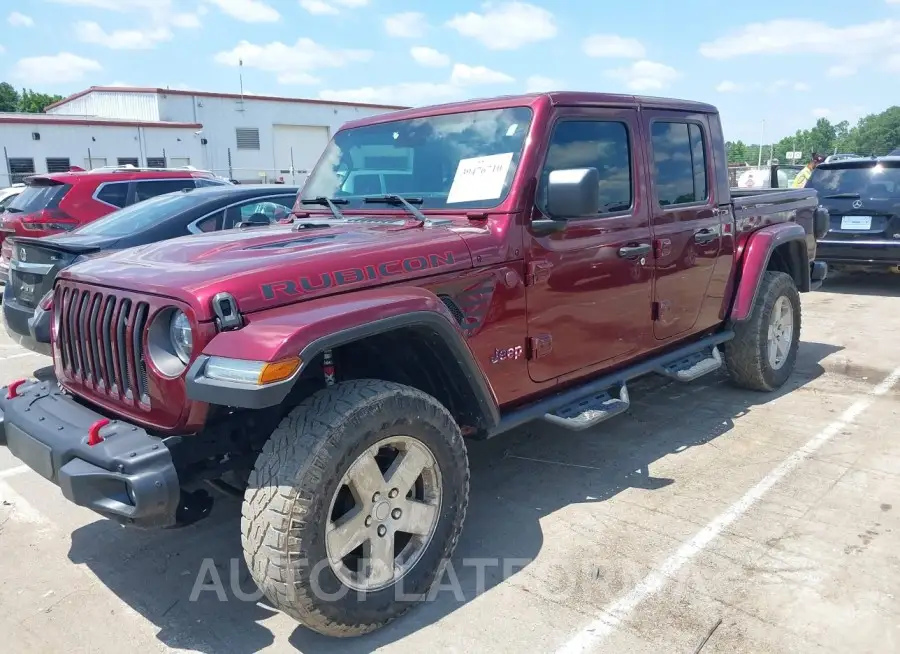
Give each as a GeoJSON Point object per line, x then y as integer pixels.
{"type": "Point", "coordinates": [250, 138]}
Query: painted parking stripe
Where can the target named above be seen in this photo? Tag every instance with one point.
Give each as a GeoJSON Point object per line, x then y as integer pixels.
{"type": "Point", "coordinates": [12, 472]}
{"type": "Point", "coordinates": [620, 610]}
{"type": "Point", "coordinates": [21, 355]}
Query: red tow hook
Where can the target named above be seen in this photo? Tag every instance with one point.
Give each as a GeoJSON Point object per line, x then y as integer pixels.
{"type": "Point", "coordinates": [94, 437]}
{"type": "Point", "coordinates": [13, 389]}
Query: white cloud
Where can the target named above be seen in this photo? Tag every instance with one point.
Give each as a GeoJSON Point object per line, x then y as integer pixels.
{"type": "Point", "coordinates": [248, 11]}
{"type": "Point", "coordinates": [540, 84]}
{"type": "Point", "coordinates": [136, 39]}
{"type": "Point", "coordinates": [506, 26]}
{"type": "Point", "coordinates": [429, 57]}
{"type": "Point", "coordinates": [408, 25]}
{"type": "Point", "coordinates": [292, 64]}
{"type": "Point", "coordinates": [841, 70]}
{"type": "Point", "coordinates": [611, 45]}
{"type": "Point", "coordinates": [645, 76]}
{"type": "Point", "coordinates": [893, 62]}
{"type": "Point", "coordinates": [2, 49]}
{"type": "Point", "coordinates": [120, 84]}
{"type": "Point", "coordinates": [821, 113]}
{"type": "Point", "coordinates": [62, 68]}
{"type": "Point", "coordinates": [464, 75]}
{"type": "Point", "coordinates": [804, 37]}
{"type": "Point", "coordinates": [727, 86]}
{"type": "Point", "coordinates": [17, 19]}
{"type": "Point", "coordinates": [319, 7]}
{"type": "Point", "coordinates": [801, 86]}
{"type": "Point", "coordinates": [410, 93]}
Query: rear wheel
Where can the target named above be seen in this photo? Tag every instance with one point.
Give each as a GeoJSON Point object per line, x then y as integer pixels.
{"type": "Point", "coordinates": [763, 352]}
{"type": "Point", "coordinates": [355, 505]}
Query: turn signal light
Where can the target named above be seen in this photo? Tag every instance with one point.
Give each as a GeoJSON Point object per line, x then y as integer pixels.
{"type": "Point", "coordinates": [278, 370]}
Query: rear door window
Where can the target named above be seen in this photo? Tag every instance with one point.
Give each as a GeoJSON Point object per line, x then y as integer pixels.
{"type": "Point", "coordinates": [151, 188]}
{"type": "Point", "coordinates": [679, 160]}
{"type": "Point", "coordinates": [36, 198]}
{"type": "Point", "coordinates": [272, 209]}
{"type": "Point", "coordinates": [115, 194]}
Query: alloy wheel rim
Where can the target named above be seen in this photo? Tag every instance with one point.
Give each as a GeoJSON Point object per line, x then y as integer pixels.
{"type": "Point", "coordinates": [781, 332]}
{"type": "Point", "coordinates": [383, 514]}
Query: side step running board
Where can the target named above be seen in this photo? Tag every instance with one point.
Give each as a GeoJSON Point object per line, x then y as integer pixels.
{"type": "Point", "coordinates": [693, 366]}
{"type": "Point", "coordinates": [591, 410]}
{"type": "Point", "coordinates": [606, 396]}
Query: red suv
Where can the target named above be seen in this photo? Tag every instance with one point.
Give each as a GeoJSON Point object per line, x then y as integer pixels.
{"type": "Point", "coordinates": [60, 202]}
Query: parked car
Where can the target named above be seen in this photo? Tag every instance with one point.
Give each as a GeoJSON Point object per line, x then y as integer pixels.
{"type": "Point", "coordinates": [37, 261]}
{"type": "Point", "coordinates": [863, 198]}
{"type": "Point", "coordinates": [335, 365]}
{"type": "Point", "coordinates": [773, 176]}
{"type": "Point", "coordinates": [8, 194]}
{"type": "Point", "coordinates": [60, 202]}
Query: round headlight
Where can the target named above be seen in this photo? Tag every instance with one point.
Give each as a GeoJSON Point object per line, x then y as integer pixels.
{"type": "Point", "coordinates": [181, 335]}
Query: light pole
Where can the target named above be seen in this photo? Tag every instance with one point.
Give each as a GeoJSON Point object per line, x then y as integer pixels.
{"type": "Point", "coordinates": [762, 139]}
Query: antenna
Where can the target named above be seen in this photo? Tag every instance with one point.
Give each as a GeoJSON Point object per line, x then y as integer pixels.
{"type": "Point", "coordinates": [241, 80]}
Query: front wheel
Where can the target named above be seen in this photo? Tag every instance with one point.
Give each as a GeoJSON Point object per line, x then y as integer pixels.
{"type": "Point", "coordinates": [762, 354]}
{"type": "Point", "coordinates": [355, 505]}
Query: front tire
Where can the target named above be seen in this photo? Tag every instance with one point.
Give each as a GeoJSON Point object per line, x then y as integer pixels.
{"type": "Point", "coordinates": [355, 505]}
{"type": "Point", "coordinates": [763, 352]}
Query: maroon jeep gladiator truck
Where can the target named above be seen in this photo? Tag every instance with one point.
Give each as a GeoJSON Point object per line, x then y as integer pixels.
{"type": "Point", "coordinates": [450, 272]}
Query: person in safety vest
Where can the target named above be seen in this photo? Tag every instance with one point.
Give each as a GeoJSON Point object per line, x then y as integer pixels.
{"type": "Point", "coordinates": [803, 176]}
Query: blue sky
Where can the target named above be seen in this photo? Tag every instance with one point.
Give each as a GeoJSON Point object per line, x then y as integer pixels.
{"type": "Point", "coordinates": [783, 62]}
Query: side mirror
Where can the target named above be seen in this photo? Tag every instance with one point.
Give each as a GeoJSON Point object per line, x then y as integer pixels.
{"type": "Point", "coordinates": [573, 192]}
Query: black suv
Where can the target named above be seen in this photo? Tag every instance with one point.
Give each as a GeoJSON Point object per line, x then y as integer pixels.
{"type": "Point", "coordinates": [863, 197]}
{"type": "Point", "coordinates": [36, 261]}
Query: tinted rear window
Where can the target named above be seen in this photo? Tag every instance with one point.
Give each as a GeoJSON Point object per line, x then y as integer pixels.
{"type": "Point", "coordinates": [142, 215]}
{"type": "Point", "coordinates": [871, 181]}
{"type": "Point", "coordinates": [36, 198]}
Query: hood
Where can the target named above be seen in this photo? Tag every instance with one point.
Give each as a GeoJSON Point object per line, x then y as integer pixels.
{"type": "Point", "coordinates": [273, 266]}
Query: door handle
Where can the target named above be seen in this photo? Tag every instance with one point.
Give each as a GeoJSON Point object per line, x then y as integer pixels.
{"type": "Point", "coordinates": [632, 251]}
{"type": "Point", "coordinates": [705, 235]}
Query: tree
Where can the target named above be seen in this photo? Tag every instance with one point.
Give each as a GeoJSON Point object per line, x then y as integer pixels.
{"type": "Point", "coordinates": [31, 102]}
{"type": "Point", "coordinates": [9, 98]}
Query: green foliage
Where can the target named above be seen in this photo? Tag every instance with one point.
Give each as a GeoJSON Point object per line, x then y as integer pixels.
{"type": "Point", "coordinates": [875, 134]}
{"type": "Point", "coordinates": [26, 101]}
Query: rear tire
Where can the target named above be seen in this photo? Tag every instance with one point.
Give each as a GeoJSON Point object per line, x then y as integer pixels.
{"type": "Point", "coordinates": [322, 458]}
{"type": "Point", "coordinates": [749, 357]}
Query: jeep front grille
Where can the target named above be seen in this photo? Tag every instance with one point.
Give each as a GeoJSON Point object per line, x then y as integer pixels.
{"type": "Point", "coordinates": [100, 342]}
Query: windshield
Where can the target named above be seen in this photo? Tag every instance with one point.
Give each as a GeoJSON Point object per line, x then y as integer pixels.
{"type": "Point", "coordinates": [873, 181]}
{"type": "Point", "coordinates": [142, 215]}
{"type": "Point", "coordinates": [462, 160]}
{"type": "Point", "coordinates": [36, 198]}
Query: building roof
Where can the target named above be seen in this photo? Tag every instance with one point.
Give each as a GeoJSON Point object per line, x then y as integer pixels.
{"type": "Point", "coordinates": [209, 94]}
{"type": "Point", "coordinates": [91, 121]}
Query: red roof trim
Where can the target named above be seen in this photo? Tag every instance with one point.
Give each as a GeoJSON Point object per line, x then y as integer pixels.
{"type": "Point", "coordinates": [209, 94]}
{"type": "Point", "coordinates": [93, 122]}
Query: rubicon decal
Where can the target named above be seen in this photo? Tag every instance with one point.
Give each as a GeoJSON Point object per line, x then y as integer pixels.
{"type": "Point", "coordinates": [343, 277]}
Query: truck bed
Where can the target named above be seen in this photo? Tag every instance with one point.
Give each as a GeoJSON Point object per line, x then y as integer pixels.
{"type": "Point", "coordinates": [754, 208]}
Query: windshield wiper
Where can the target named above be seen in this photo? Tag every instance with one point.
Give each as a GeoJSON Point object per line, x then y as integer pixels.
{"type": "Point", "coordinates": [838, 196]}
{"type": "Point", "coordinates": [399, 200]}
{"type": "Point", "coordinates": [328, 202]}
{"type": "Point", "coordinates": [13, 210]}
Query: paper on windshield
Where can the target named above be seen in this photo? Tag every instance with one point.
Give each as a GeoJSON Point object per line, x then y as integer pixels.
{"type": "Point", "coordinates": [480, 178]}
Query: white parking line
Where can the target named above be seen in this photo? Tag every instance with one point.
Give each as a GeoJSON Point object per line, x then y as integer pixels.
{"type": "Point", "coordinates": [12, 472]}
{"type": "Point", "coordinates": [22, 511]}
{"type": "Point", "coordinates": [23, 354]}
{"type": "Point", "coordinates": [616, 613]}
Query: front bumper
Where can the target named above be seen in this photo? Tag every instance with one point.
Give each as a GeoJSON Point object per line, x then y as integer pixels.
{"type": "Point", "coordinates": [30, 328]}
{"type": "Point", "coordinates": [128, 477]}
{"type": "Point", "coordinates": [875, 253]}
